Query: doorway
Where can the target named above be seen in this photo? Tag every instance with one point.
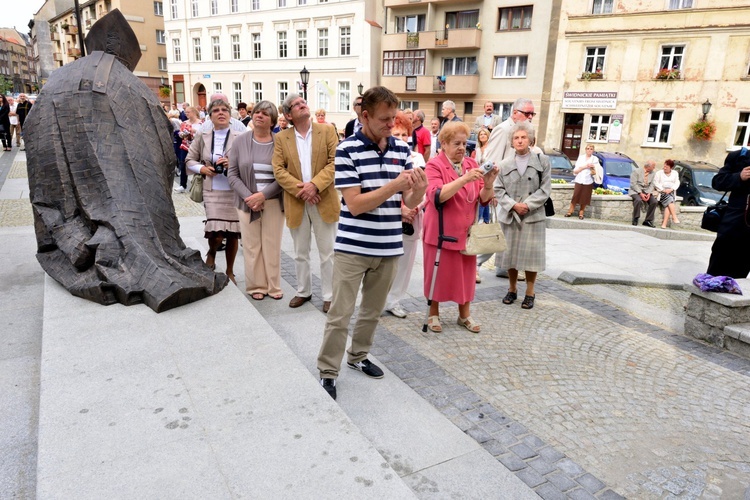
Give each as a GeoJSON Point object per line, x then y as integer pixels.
{"type": "Point", "coordinates": [571, 137]}
{"type": "Point", "coordinates": [201, 92]}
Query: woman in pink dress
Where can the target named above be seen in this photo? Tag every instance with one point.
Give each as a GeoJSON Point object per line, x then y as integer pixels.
{"type": "Point", "coordinates": [462, 186]}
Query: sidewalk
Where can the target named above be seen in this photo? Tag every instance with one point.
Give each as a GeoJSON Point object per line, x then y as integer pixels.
{"type": "Point", "coordinates": [592, 394]}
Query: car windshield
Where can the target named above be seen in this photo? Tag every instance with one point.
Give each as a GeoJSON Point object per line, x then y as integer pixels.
{"type": "Point", "coordinates": [703, 178]}
{"type": "Point", "coordinates": [619, 168]}
{"type": "Point", "coordinates": [560, 162]}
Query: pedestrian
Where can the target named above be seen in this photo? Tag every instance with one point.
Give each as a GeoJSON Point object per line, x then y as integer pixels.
{"type": "Point", "coordinates": [586, 170]}
{"type": "Point", "coordinates": [448, 112]}
{"type": "Point", "coordinates": [421, 139]}
{"type": "Point", "coordinates": [374, 173]}
{"type": "Point", "coordinates": [23, 108]}
{"type": "Point", "coordinates": [5, 123]}
{"type": "Point", "coordinates": [489, 120]}
{"type": "Point", "coordinates": [643, 193]}
{"type": "Point", "coordinates": [15, 125]}
{"type": "Point", "coordinates": [355, 124]}
{"type": "Point", "coordinates": [665, 183]}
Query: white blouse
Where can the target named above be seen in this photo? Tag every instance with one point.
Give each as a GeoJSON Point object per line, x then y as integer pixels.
{"type": "Point", "coordinates": [584, 176]}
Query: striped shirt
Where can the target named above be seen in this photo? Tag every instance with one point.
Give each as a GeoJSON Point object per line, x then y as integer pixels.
{"type": "Point", "coordinates": [359, 162]}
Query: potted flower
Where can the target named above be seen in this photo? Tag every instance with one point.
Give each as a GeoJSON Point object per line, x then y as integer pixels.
{"type": "Point", "coordinates": [165, 91]}
{"type": "Point", "coordinates": [668, 74]}
{"type": "Point", "coordinates": [703, 130]}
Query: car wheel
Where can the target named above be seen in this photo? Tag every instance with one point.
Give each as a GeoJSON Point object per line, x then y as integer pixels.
{"type": "Point", "coordinates": [692, 203]}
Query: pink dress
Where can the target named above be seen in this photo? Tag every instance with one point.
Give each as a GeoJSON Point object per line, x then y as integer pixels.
{"type": "Point", "coordinates": [456, 278]}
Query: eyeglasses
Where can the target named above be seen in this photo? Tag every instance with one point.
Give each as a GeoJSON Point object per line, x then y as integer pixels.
{"type": "Point", "coordinates": [357, 104]}
{"type": "Point", "coordinates": [297, 104]}
{"type": "Point", "coordinates": [527, 114]}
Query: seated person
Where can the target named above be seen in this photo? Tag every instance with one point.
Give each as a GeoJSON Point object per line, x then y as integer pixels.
{"type": "Point", "coordinates": [643, 193]}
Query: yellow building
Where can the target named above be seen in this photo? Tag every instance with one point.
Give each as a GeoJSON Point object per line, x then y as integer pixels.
{"type": "Point", "coordinates": [633, 75]}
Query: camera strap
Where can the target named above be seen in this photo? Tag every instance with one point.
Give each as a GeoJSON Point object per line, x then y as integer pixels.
{"type": "Point", "coordinates": [224, 146]}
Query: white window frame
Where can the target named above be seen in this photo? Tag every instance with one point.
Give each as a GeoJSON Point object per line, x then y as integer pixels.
{"type": "Point", "coordinates": [257, 91]}
{"type": "Point", "coordinates": [216, 48]}
{"type": "Point", "coordinates": [176, 50]}
{"type": "Point", "coordinates": [602, 6]}
{"type": "Point", "coordinates": [301, 2]}
{"type": "Point", "coordinates": [344, 88]}
{"type": "Point", "coordinates": [282, 40]}
{"type": "Point", "coordinates": [659, 122]}
{"type": "Point", "coordinates": [194, 8]}
{"type": "Point", "coordinates": [236, 47]}
{"type": "Point", "coordinates": [515, 61]}
{"type": "Point", "coordinates": [600, 53]}
{"type": "Point", "coordinates": [301, 43]}
{"type": "Point", "coordinates": [162, 62]}
{"type": "Point", "coordinates": [455, 62]}
{"type": "Point", "coordinates": [322, 42]}
{"type": "Point", "coordinates": [173, 8]}
{"type": "Point", "coordinates": [161, 37]}
{"type": "Point", "coordinates": [255, 5]}
{"type": "Point", "coordinates": [742, 128]}
{"type": "Point", "coordinates": [323, 98]}
{"type": "Point", "coordinates": [597, 125]}
{"type": "Point", "coordinates": [280, 3]}
{"type": "Point", "coordinates": [679, 4]}
{"type": "Point", "coordinates": [403, 104]}
{"type": "Point", "coordinates": [158, 8]}
{"type": "Point", "coordinates": [257, 46]}
{"type": "Point", "coordinates": [214, 4]}
{"type": "Point", "coordinates": [218, 88]}
{"type": "Point", "coordinates": [672, 56]}
{"type": "Point", "coordinates": [197, 54]}
{"type": "Point", "coordinates": [345, 40]}
{"type": "Point", "coordinates": [237, 93]}
{"type": "Point", "coordinates": [234, 6]}
{"type": "Point", "coordinates": [282, 91]}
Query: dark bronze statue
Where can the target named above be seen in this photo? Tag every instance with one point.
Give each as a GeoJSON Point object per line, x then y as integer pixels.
{"type": "Point", "coordinates": [101, 167]}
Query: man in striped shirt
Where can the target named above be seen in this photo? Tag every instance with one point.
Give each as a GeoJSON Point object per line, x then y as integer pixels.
{"type": "Point", "coordinates": [373, 172]}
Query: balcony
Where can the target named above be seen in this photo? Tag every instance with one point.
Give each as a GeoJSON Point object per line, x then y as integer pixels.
{"type": "Point", "coordinates": [72, 52]}
{"type": "Point", "coordinates": [70, 29]}
{"type": "Point", "coordinates": [458, 38]}
{"type": "Point", "coordinates": [54, 36]}
{"type": "Point", "coordinates": [57, 57]}
{"type": "Point", "coordinates": [443, 39]}
{"type": "Point", "coordinates": [432, 84]}
{"type": "Point", "coordinates": [411, 3]}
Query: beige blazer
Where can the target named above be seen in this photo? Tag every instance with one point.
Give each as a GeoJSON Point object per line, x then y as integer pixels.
{"type": "Point", "coordinates": [288, 172]}
{"type": "Point", "coordinates": [200, 152]}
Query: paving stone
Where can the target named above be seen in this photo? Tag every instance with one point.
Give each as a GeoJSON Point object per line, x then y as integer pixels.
{"type": "Point", "coordinates": [542, 466]}
{"type": "Point", "coordinates": [610, 495]}
{"type": "Point", "coordinates": [512, 462]}
{"type": "Point", "coordinates": [531, 477]}
{"type": "Point", "coordinates": [523, 451]}
{"type": "Point", "coordinates": [548, 491]}
{"type": "Point", "coordinates": [591, 483]}
{"type": "Point", "coordinates": [561, 481]}
{"type": "Point", "coordinates": [580, 494]}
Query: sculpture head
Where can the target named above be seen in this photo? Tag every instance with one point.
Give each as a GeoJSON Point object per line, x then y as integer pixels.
{"type": "Point", "coordinates": [113, 35]}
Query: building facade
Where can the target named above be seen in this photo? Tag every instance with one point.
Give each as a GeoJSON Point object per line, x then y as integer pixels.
{"type": "Point", "coordinates": [467, 52]}
{"type": "Point", "coordinates": [16, 62]}
{"type": "Point", "coordinates": [632, 76]}
{"type": "Point", "coordinates": [253, 50]}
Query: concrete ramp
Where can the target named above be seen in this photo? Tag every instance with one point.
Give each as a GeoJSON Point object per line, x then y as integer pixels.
{"type": "Point", "coordinates": [203, 401]}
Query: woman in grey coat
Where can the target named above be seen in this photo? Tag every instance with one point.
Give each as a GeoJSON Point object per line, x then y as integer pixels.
{"type": "Point", "coordinates": [521, 188]}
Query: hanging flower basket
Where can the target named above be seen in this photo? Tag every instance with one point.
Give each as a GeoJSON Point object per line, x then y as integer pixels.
{"type": "Point", "coordinates": [165, 92]}
{"type": "Point", "coordinates": [703, 130]}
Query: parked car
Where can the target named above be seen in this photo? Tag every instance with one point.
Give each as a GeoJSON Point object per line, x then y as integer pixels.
{"type": "Point", "coordinates": [695, 182]}
{"type": "Point", "coordinates": [617, 169]}
{"type": "Point", "coordinates": [562, 168]}
{"type": "Point", "coordinates": [471, 143]}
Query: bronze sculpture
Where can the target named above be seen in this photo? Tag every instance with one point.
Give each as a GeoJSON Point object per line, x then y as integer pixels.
{"type": "Point", "coordinates": [101, 167]}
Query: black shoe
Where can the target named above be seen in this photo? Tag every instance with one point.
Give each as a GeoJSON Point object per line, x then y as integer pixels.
{"type": "Point", "coordinates": [635, 221]}
{"type": "Point", "coordinates": [648, 223]}
{"type": "Point", "coordinates": [528, 302]}
{"type": "Point", "coordinates": [510, 297]}
{"type": "Point", "coordinates": [329, 384]}
{"type": "Point", "coordinates": [367, 367]}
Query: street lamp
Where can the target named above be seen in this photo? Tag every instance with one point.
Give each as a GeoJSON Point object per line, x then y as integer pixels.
{"type": "Point", "coordinates": [360, 88]}
{"type": "Point", "coordinates": [304, 76]}
{"type": "Point", "coordinates": [706, 106]}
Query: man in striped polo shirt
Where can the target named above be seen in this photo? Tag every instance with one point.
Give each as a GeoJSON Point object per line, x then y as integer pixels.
{"type": "Point", "coordinates": [373, 172]}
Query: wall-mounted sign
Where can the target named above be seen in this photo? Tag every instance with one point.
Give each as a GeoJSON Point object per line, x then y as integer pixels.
{"type": "Point", "coordinates": [589, 100]}
{"type": "Point", "coordinates": [207, 76]}
{"type": "Point", "coordinates": [615, 129]}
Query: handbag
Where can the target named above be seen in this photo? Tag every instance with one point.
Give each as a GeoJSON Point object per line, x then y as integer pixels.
{"type": "Point", "coordinates": [713, 215]}
{"type": "Point", "coordinates": [549, 207]}
{"type": "Point", "coordinates": [196, 188]}
{"type": "Point", "coordinates": [485, 238]}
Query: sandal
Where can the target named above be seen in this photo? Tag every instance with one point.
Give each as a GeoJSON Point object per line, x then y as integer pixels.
{"type": "Point", "coordinates": [479, 278]}
{"type": "Point", "coordinates": [433, 323]}
{"type": "Point", "coordinates": [510, 297]}
{"type": "Point", "coordinates": [580, 216]}
{"type": "Point", "coordinates": [277, 296]}
{"type": "Point", "coordinates": [570, 214]}
{"type": "Point", "coordinates": [469, 324]}
{"type": "Point", "coordinates": [257, 296]}
{"type": "Point", "coordinates": [528, 302]}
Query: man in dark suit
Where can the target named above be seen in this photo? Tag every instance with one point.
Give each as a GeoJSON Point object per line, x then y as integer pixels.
{"type": "Point", "coordinates": [355, 124]}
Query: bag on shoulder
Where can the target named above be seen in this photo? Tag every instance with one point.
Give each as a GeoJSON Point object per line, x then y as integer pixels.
{"type": "Point", "coordinates": [549, 207]}
{"type": "Point", "coordinates": [485, 238]}
{"type": "Point", "coordinates": [196, 188]}
{"type": "Point", "coordinates": [712, 216]}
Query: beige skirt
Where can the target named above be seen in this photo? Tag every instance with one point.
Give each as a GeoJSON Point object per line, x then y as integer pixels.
{"type": "Point", "coordinates": [221, 214]}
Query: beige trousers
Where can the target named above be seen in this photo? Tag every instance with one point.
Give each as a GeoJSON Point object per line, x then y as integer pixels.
{"type": "Point", "coordinates": [261, 248]}
{"type": "Point", "coordinates": [376, 276]}
{"type": "Point", "coordinates": [325, 237]}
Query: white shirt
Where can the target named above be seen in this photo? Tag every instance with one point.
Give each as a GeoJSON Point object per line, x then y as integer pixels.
{"type": "Point", "coordinates": [304, 149]}
{"type": "Point", "coordinates": [433, 144]}
{"type": "Point", "coordinates": [584, 176]}
{"type": "Point", "coordinates": [219, 182]}
{"type": "Point", "coordinates": [13, 119]}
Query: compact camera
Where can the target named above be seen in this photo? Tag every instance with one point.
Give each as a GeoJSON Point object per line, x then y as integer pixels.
{"type": "Point", "coordinates": [486, 167]}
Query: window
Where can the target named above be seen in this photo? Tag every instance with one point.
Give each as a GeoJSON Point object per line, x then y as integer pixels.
{"type": "Point", "coordinates": [281, 39]}
{"type": "Point", "coordinates": [403, 62]}
{"type": "Point", "coordinates": [345, 97]}
{"type": "Point", "coordinates": [158, 9]}
{"type": "Point", "coordinates": [671, 57]}
{"type": "Point", "coordinates": [460, 66]}
{"type": "Point", "coordinates": [236, 47]}
{"type": "Point", "coordinates": [173, 8]}
{"type": "Point", "coordinates": [322, 42]}
{"type": "Point", "coordinates": [283, 88]}
{"type": "Point", "coordinates": [462, 19]}
{"type": "Point", "coordinates": [197, 49]}
{"type": "Point", "coordinates": [194, 8]}
{"type": "Point", "coordinates": [257, 91]}
{"type": "Point", "coordinates": [324, 98]}
{"type": "Point", "coordinates": [742, 134]}
{"type": "Point", "coordinates": [176, 50]}
{"type": "Point", "coordinates": [680, 4]}
{"type": "Point", "coordinates": [301, 2]}
{"type": "Point", "coordinates": [234, 6]}
{"type": "Point", "coordinates": [162, 64]}
{"type": "Point", "coordinates": [256, 5]}
{"type": "Point", "coordinates": [216, 48]}
{"type": "Point", "coordinates": [595, 59]}
{"type": "Point", "coordinates": [161, 37]}
{"type": "Point", "coordinates": [301, 43]}
{"type": "Point", "coordinates": [659, 126]}
{"type": "Point", "coordinates": [218, 88]}
{"type": "Point", "coordinates": [408, 105]}
{"type": "Point", "coordinates": [237, 92]}
{"type": "Point", "coordinates": [345, 41]}
{"type": "Point", "coordinates": [179, 91]}
{"type": "Point", "coordinates": [281, 3]}
{"type": "Point", "coordinates": [598, 128]}
{"type": "Point", "coordinates": [515, 18]}
{"type": "Point", "coordinates": [256, 46]}
{"type": "Point", "coordinates": [503, 109]}
{"type": "Point", "coordinates": [214, 7]}
{"type": "Point", "coordinates": [602, 7]}
{"type": "Point", "coordinates": [510, 67]}
{"type": "Point", "coordinates": [410, 24]}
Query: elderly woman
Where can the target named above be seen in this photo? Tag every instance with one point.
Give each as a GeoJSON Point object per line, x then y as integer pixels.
{"type": "Point", "coordinates": [208, 156]}
{"type": "Point", "coordinates": [320, 116]}
{"type": "Point", "coordinates": [666, 182]}
{"type": "Point", "coordinates": [259, 204]}
{"type": "Point", "coordinates": [5, 123]}
{"type": "Point", "coordinates": [411, 219]}
{"type": "Point", "coordinates": [521, 188]}
{"type": "Point", "coordinates": [587, 169]}
{"type": "Point", "coordinates": [462, 187]}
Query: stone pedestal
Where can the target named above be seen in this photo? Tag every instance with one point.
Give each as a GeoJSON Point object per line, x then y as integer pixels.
{"type": "Point", "coordinates": [720, 318]}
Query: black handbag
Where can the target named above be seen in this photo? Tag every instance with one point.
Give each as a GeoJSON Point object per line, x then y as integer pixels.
{"type": "Point", "coordinates": [713, 215]}
{"type": "Point", "coordinates": [549, 207]}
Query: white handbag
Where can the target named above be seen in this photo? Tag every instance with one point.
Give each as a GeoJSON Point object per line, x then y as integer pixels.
{"type": "Point", "coordinates": [485, 238]}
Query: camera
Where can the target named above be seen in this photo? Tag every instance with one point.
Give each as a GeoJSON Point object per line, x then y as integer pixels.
{"type": "Point", "coordinates": [407, 228]}
{"type": "Point", "coordinates": [219, 169]}
{"type": "Point", "coordinates": [486, 167]}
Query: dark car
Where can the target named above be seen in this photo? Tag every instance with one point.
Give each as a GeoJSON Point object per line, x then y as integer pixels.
{"type": "Point", "coordinates": [561, 166]}
{"type": "Point", "coordinates": [471, 143]}
{"type": "Point", "coordinates": [695, 182]}
{"type": "Point", "coordinates": [617, 169]}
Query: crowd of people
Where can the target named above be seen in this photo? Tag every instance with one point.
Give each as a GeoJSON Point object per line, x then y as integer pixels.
{"type": "Point", "coordinates": [12, 117]}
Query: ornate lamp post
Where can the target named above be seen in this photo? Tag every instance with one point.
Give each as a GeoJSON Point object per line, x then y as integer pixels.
{"type": "Point", "coordinates": [304, 76]}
